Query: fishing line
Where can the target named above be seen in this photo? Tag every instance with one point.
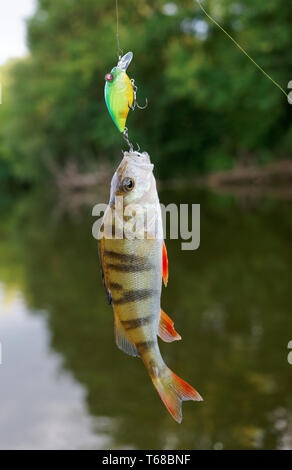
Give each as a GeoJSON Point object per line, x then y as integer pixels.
{"type": "Point", "coordinates": [118, 37]}
{"type": "Point", "coordinates": [241, 48]}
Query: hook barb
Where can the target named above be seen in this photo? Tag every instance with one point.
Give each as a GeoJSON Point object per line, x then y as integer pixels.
{"type": "Point", "coordinates": [142, 107]}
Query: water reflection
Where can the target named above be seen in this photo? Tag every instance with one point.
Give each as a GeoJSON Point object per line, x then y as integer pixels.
{"type": "Point", "coordinates": [65, 381]}
{"type": "Point", "coordinates": [42, 406]}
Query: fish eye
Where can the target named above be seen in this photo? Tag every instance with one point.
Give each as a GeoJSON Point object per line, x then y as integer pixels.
{"type": "Point", "coordinates": [128, 184]}
{"type": "Point", "coordinates": [109, 77]}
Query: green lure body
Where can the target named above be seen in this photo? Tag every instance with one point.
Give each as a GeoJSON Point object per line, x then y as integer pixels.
{"type": "Point", "coordinates": [119, 93]}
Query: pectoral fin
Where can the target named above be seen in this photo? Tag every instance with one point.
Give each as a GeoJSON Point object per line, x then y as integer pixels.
{"type": "Point", "coordinates": [166, 329]}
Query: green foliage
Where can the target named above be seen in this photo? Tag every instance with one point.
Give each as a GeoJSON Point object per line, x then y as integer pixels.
{"type": "Point", "coordinates": [204, 95]}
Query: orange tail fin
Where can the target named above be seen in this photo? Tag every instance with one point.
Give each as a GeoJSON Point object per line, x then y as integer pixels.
{"type": "Point", "coordinates": [173, 391]}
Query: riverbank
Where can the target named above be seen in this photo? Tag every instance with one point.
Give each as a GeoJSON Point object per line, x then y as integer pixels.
{"type": "Point", "coordinates": [75, 189]}
{"type": "Point", "coordinates": [276, 177]}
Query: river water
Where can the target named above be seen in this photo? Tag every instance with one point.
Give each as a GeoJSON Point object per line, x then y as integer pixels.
{"type": "Point", "coordinates": [65, 385]}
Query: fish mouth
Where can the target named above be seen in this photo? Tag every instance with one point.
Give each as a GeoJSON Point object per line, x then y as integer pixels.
{"type": "Point", "coordinates": [125, 61]}
{"type": "Point", "coordinates": [138, 159]}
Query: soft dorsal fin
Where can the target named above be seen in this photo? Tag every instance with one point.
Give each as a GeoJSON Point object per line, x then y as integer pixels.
{"type": "Point", "coordinates": [164, 265]}
{"type": "Point", "coordinates": [166, 329]}
{"type": "Point", "coordinates": [103, 269]}
{"type": "Point", "coordinates": [122, 341]}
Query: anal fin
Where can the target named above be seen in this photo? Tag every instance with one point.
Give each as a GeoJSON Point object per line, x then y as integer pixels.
{"type": "Point", "coordinates": [122, 341]}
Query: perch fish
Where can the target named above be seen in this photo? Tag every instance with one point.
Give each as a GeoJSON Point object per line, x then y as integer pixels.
{"type": "Point", "coordinates": [133, 269]}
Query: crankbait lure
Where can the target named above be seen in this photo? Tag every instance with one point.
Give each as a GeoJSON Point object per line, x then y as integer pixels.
{"type": "Point", "coordinates": [120, 93]}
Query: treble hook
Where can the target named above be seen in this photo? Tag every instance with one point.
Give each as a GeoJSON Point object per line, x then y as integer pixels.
{"type": "Point", "coordinates": [142, 107]}
{"type": "Point", "coordinates": [135, 88]}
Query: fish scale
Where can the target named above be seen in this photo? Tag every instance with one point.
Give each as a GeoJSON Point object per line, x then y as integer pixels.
{"type": "Point", "coordinates": [138, 294]}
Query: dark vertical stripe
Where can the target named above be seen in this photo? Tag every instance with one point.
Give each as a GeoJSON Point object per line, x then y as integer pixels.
{"type": "Point", "coordinates": [130, 268]}
{"type": "Point", "coordinates": [132, 324]}
{"type": "Point", "coordinates": [123, 257]}
{"type": "Point", "coordinates": [144, 346]}
{"type": "Point", "coordinates": [136, 295]}
{"type": "Point", "coordinates": [116, 286]}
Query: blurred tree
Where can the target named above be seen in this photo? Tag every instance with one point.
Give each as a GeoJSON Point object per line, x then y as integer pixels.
{"type": "Point", "coordinates": [209, 107]}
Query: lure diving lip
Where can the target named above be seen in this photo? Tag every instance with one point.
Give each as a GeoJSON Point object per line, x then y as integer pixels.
{"type": "Point", "coordinates": [125, 61]}
{"type": "Point", "coordinates": [119, 92]}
